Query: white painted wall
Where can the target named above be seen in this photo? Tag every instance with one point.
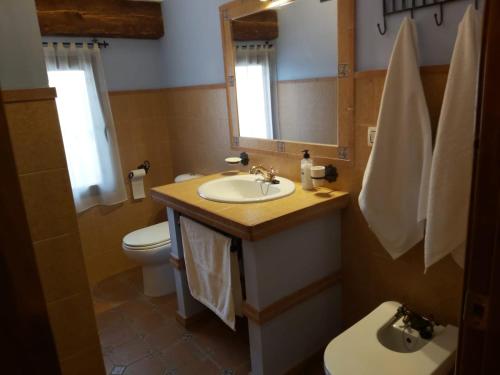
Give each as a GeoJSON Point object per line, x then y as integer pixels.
{"type": "Point", "coordinates": [307, 43]}
{"type": "Point", "coordinates": [21, 58]}
{"type": "Point", "coordinates": [435, 43]}
{"type": "Point", "coordinates": [129, 64]}
{"type": "Point", "coordinates": [192, 49]}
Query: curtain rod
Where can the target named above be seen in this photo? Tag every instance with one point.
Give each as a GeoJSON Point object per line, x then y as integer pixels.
{"type": "Point", "coordinates": [102, 44]}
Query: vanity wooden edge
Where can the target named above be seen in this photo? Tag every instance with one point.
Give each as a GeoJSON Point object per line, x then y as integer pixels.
{"type": "Point", "coordinates": [203, 216]}
{"type": "Point", "coordinates": [279, 307]}
{"type": "Point", "coordinates": [259, 231]}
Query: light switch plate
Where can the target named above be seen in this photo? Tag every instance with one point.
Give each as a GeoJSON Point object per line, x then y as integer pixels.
{"type": "Point", "coordinates": [372, 132]}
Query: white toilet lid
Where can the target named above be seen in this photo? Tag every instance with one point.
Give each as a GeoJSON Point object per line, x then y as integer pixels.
{"type": "Point", "coordinates": [149, 236]}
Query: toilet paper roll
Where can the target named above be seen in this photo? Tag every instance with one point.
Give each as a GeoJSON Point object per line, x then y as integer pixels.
{"type": "Point", "coordinates": [137, 181]}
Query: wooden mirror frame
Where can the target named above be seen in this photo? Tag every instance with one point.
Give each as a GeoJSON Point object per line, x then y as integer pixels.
{"type": "Point", "coordinates": [343, 151]}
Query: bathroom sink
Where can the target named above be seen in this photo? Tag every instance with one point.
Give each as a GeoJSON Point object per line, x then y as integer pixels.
{"type": "Point", "coordinates": [382, 344]}
{"type": "Point", "coordinates": [245, 189]}
{"type": "Point", "coordinates": [400, 338]}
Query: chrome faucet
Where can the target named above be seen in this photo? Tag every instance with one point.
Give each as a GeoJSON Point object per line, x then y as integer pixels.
{"type": "Point", "coordinates": [268, 175]}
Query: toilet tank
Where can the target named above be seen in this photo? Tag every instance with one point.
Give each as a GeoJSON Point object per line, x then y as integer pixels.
{"type": "Point", "coordinates": [187, 177]}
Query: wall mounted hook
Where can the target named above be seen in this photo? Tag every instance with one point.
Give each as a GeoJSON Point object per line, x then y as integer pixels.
{"type": "Point", "coordinates": [384, 11]}
{"type": "Point", "coordinates": [439, 19]}
{"type": "Point", "coordinates": [476, 4]}
{"type": "Point", "coordinates": [382, 32]}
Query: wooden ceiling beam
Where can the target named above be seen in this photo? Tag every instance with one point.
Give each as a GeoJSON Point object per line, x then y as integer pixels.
{"type": "Point", "coordinates": [100, 18]}
{"type": "Point", "coordinates": [258, 26]}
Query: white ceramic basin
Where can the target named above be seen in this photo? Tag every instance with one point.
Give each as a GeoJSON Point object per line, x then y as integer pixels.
{"type": "Point", "coordinates": [245, 189]}
{"type": "Point", "coordinates": [376, 345]}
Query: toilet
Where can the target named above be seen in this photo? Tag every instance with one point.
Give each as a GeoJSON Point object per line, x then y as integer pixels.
{"type": "Point", "coordinates": [150, 247]}
{"type": "Point", "coordinates": [379, 344]}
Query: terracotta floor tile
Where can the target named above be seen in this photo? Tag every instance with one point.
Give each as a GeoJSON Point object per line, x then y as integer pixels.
{"type": "Point", "coordinates": [130, 352]}
{"type": "Point", "coordinates": [149, 323]}
{"type": "Point", "coordinates": [168, 335]}
{"type": "Point", "coordinates": [108, 364]}
{"type": "Point", "coordinates": [114, 290]}
{"type": "Point", "coordinates": [167, 310]}
{"type": "Point", "coordinates": [228, 348]}
{"type": "Point", "coordinates": [136, 309]}
{"type": "Point", "coordinates": [101, 307]}
{"type": "Point", "coordinates": [109, 319]}
{"type": "Point", "coordinates": [133, 277]}
{"type": "Point", "coordinates": [142, 332]}
{"type": "Point", "coordinates": [182, 354]}
{"type": "Point", "coordinates": [115, 336]}
{"type": "Point", "coordinates": [205, 367]}
{"type": "Point", "coordinates": [150, 365]}
{"type": "Point", "coordinates": [168, 300]}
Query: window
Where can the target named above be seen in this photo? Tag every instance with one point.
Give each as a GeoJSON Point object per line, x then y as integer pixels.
{"type": "Point", "coordinates": [255, 85]}
{"type": "Point", "coordinates": [75, 118]}
{"type": "Point", "coordinates": [86, 125]}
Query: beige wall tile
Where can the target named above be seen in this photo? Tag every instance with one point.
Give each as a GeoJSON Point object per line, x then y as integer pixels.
{"type": "Point", "coordinates": [143, 134]}
{"type": "Point", "coordinates": [61, 266]}
{"type": "Point", "coordinates": [73, 324]}
{"type": "Point", "coordinates": [199, 143]}
{"type": "Point", "coordinates": [308, 110]}
{"type": "Point", "coordinates": [107, 264]}
{"type": "Point", "coordinates": [49, 203]}
{"type": "Point", "coordinates": [36, 136]}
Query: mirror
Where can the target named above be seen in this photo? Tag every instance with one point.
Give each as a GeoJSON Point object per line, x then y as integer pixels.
{"type": "Point", "coordinates": [286, 68]}
{"type": "Point", "coordinates": [282, 65]}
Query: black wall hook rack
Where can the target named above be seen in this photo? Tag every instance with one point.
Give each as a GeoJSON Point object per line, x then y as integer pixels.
{"type": "Point", "coordinates": [390, 7]}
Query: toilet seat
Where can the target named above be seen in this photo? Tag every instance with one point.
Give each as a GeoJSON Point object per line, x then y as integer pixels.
{"type": "Point", "coordinates": [148, 238]}
{"type": "Point", "coordinates": [146, 248]}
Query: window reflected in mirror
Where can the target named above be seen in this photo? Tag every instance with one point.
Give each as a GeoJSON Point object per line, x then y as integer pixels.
{"type": "Point", "coordinates": [286, 72]}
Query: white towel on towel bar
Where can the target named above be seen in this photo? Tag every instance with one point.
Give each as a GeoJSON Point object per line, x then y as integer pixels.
{"type": "Point", "coordinates": [451, 172]}
{"type": "Point", "coordinates": [393, 198]}
{"type": "Point", "coordinates": [212, 270]}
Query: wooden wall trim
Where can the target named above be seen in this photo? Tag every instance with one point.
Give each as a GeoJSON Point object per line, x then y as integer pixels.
{"type": "Point", "coordinates": [381, 73]}
{"type": "Point", "coordinates": [290, 301]}
{"type": "Point", "coordinates": [309, 80]}
{"type": "Point", "coordinates": [29, 95]}
{"type": "Point", "coordinates": [211, 86]}
{"type": "Point", "coordinates": [178, 264]}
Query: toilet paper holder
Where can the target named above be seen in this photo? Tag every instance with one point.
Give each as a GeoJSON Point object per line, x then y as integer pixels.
{"type": "Point", "coordinates": [146, 166]}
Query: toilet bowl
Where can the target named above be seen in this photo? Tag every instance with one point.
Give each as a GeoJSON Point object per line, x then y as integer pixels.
{"type": "Point", "coordinates": [380, 344]}
{"type": "Point", "coordinates": [150, 247]}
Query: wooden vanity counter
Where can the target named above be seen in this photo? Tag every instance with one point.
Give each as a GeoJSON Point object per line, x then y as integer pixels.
{"type": "Point", "coordinates": [249, 221]}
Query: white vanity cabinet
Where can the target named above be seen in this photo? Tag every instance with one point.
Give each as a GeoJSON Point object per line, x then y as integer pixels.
{"type": "Point", "coordinates": [291, 267]}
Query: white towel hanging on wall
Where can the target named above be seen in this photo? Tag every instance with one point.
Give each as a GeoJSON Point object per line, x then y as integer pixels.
{"type": "Point", "coordinates": [451, 172]}
{"type": "Point", "coordinates": [395, 185]}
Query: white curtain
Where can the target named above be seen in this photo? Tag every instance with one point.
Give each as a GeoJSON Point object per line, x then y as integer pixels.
{"type": "Point", "coordinates": [256, 90]}
{"type": "Point", "coordinates": [86, 124]}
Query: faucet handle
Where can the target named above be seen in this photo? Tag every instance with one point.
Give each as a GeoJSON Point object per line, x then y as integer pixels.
{"type": "Point", "coordinates": [272, 176]}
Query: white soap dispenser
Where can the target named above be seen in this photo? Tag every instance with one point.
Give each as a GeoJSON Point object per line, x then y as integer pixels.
{"type": "Point", "coordinates": [305, 171]}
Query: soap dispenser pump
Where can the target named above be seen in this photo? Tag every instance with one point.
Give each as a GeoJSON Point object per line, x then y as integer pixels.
{"type": "Point", "coordinates": [305, 171]}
